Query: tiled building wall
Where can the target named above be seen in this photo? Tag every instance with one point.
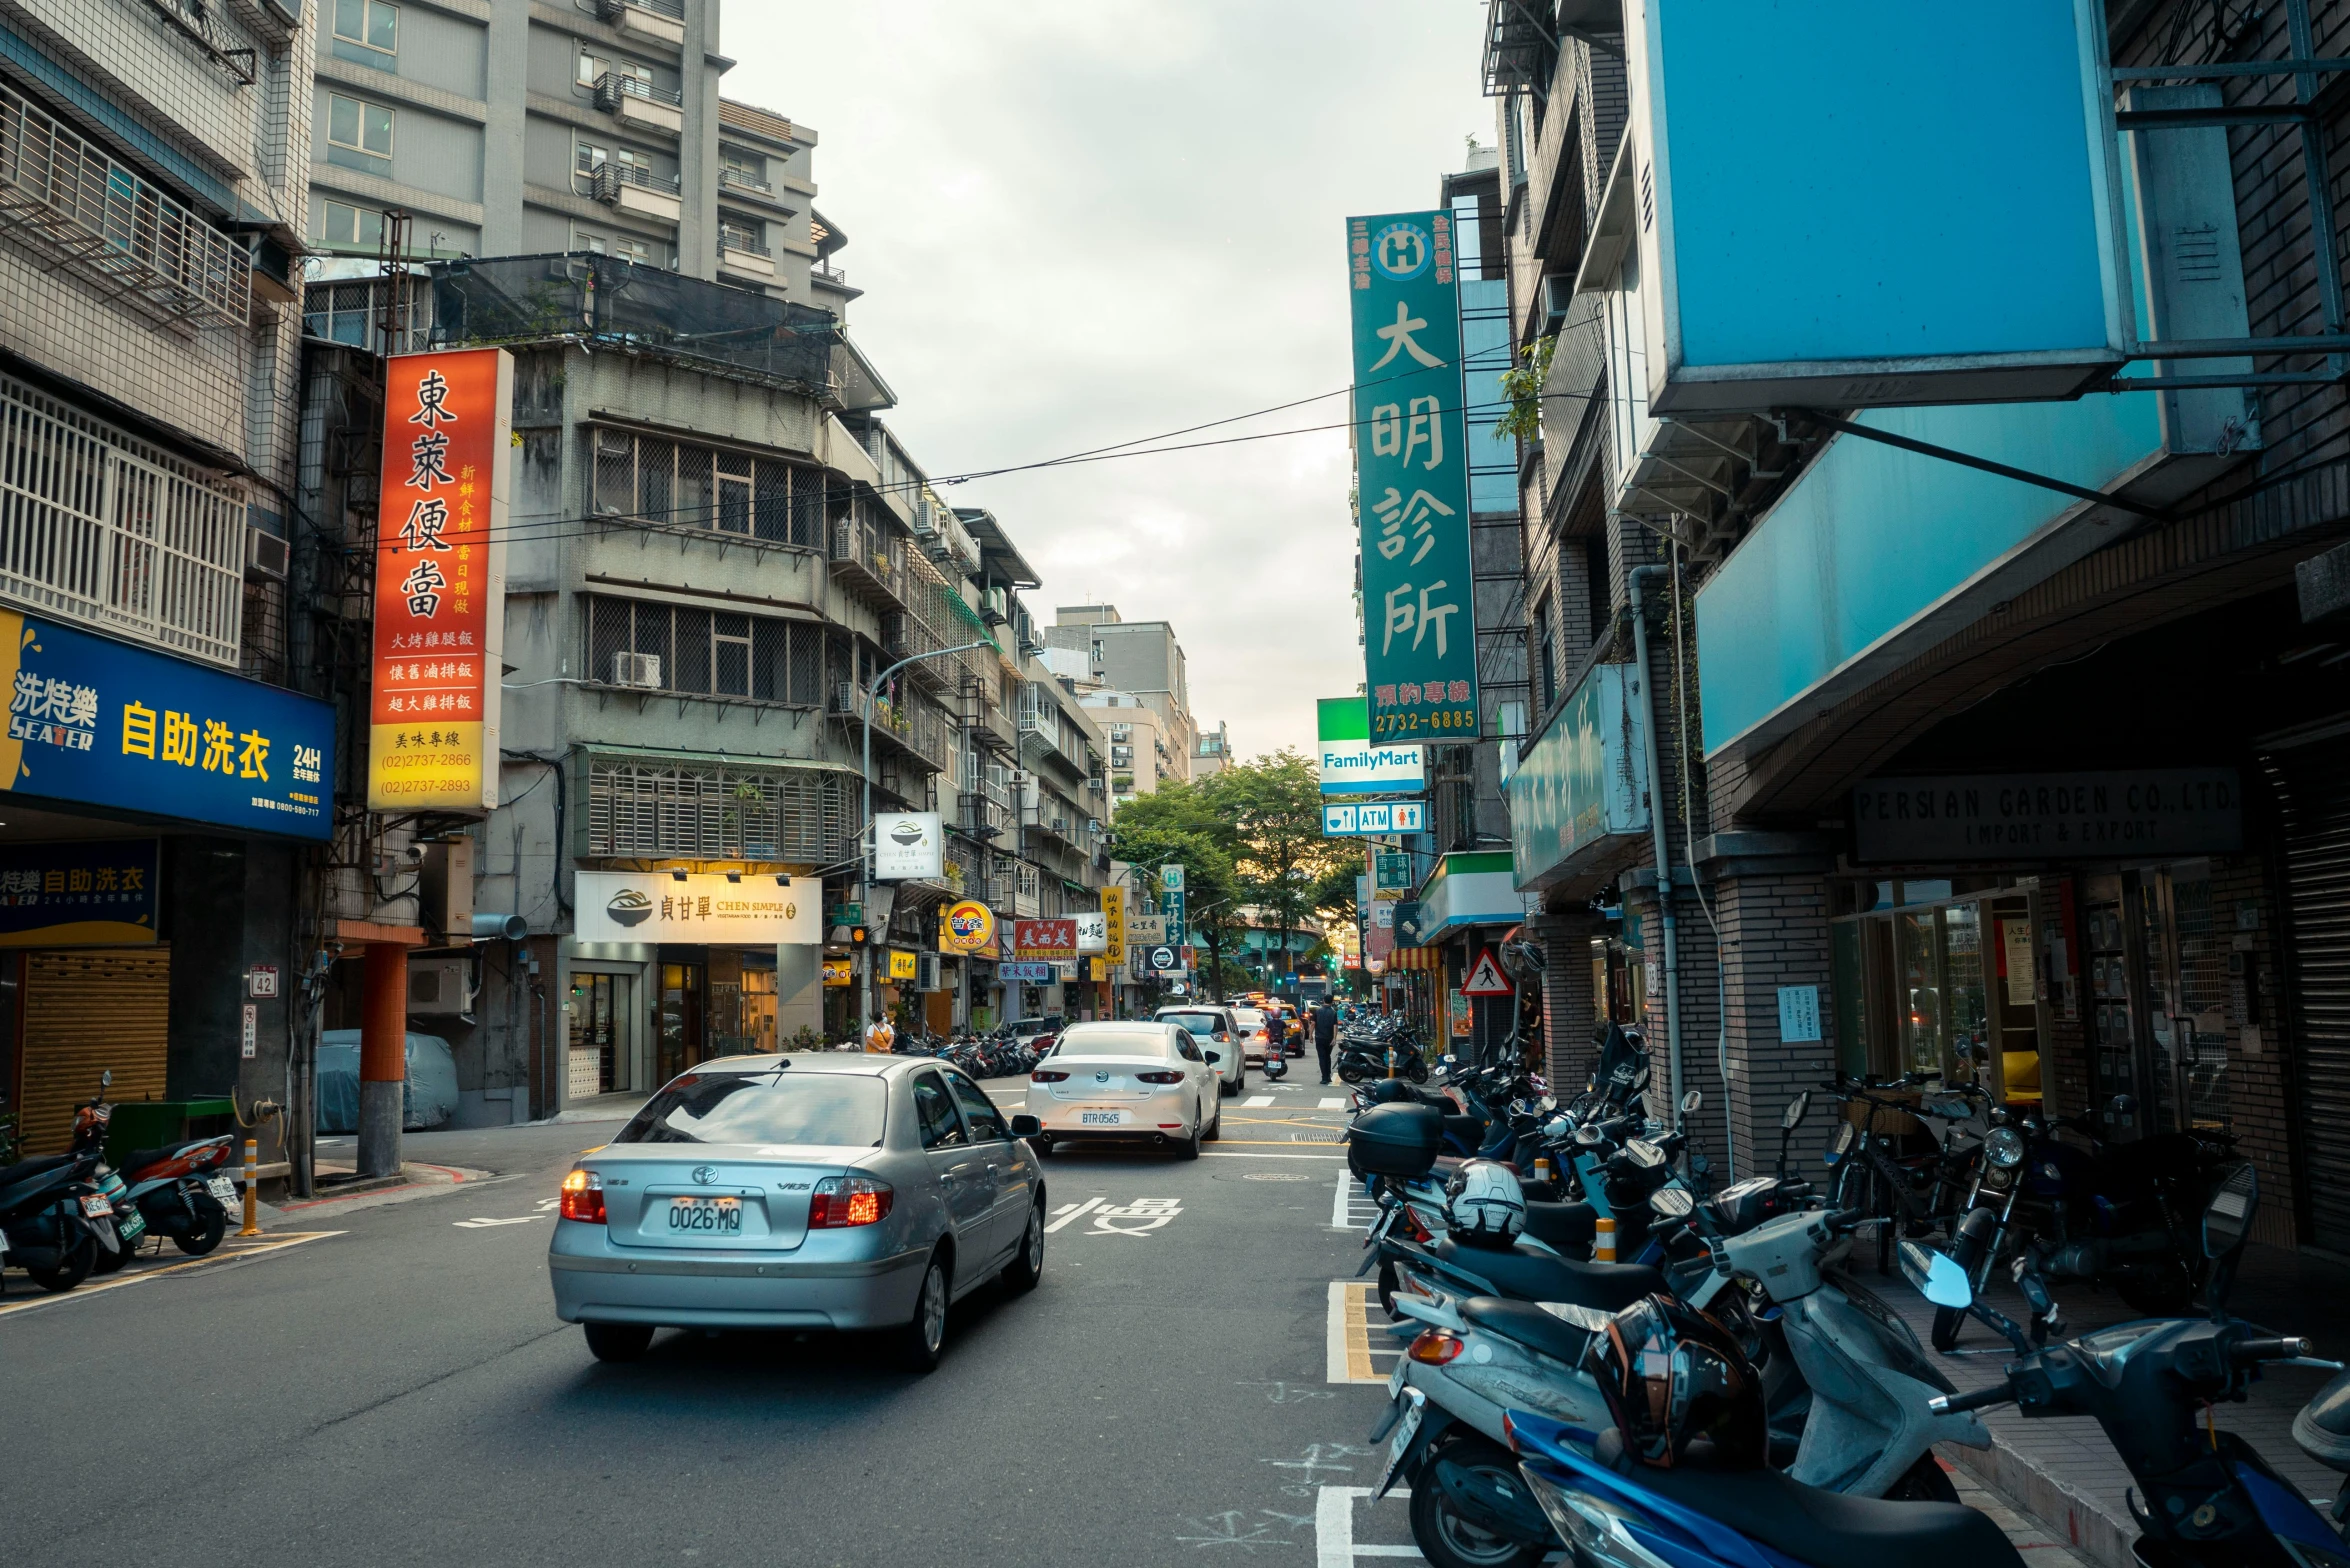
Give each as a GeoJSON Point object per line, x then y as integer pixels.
{"type": "Point", "coordinates": [2261, 1099]}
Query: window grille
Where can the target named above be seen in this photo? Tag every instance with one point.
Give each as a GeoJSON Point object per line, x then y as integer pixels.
{"type": "Point", "coordinates": [717, 811]}
{"type": "Point", "coordinates": [674, 484]}
{"type": "Point", "coordinates": [714, 653]}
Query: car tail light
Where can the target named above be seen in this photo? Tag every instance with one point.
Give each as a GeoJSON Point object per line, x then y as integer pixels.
{"type": "Point", "coordinates": [1043, 1076]}
{"type": "Point", "coordinates": [1435, 1348]}
{"type": "Point", "coordinates": [1158, 1077]}
{"type": "Point", "coordinates": [843, 1201]}
{"type": "Point", "coordinates": [583, 1197]}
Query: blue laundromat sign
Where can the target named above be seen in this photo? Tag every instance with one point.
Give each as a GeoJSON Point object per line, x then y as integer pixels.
{"type": "Point", "coordinates": [96, 891]}
{"type": "Point", "coordinates": [101, 723]}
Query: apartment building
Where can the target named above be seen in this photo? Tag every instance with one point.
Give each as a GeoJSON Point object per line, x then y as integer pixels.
{"type": "Point", "coordinates": [1141, 658]}
{"type": "Point", "coordinates": [157, 845]}
{"type": "Point", "coordinates": [2057, 812]}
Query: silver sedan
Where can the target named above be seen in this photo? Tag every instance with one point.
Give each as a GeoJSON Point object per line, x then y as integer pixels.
{"type": "Point", "coordinates": [800, 1192]}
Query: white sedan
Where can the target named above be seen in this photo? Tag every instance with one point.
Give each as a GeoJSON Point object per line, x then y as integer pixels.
{"type": "Point", "coordinates": [1253, 1034]}
{"type": "Point", "coordinates": [1131, 1082]}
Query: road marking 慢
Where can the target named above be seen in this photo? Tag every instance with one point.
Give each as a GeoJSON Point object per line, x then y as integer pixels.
{"type": "Point", "coordinates": [1070, 1211]}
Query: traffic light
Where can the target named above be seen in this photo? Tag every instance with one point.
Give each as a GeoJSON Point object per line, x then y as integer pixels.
{"type": "Point", "coordinates": [859, 936]}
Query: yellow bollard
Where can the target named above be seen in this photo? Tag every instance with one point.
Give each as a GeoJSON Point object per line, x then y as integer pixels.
{"type": "Point", "coordinates": [1603, 1244]}
{"type": "Point", "coordinates": [252, 1188]}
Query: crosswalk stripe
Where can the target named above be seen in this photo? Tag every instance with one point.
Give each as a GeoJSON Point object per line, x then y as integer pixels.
{"type": "Point", "coordinates": [1331, 1102]}
{"type": "Point", "coordinates": [1256, 1102]}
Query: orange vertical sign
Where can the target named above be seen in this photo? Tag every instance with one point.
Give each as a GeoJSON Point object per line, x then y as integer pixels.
{"type": "Point", "coordinates": [440, 582]}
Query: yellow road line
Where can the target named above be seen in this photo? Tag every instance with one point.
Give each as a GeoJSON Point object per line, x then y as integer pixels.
{"type": "Point", "coordinates": [229, 1251]}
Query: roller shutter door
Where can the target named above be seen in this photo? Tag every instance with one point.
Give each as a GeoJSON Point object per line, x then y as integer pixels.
{"type": "Point", "coordinates": [86, 1011]}
{"type": "Point", "coordinates": [2313, 786]}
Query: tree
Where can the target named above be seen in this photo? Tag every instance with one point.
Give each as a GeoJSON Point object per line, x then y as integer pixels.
{"type": "Point", "coordinates": [1176, 824]}
{"type": "Point", "coordinates": [1273, 805]}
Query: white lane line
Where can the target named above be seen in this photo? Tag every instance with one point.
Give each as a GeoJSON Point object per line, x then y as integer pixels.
{"type": "Point", "coordinates": [1256, 1102]}
{"type": "Point", "coordinates": [1334, 1528]}
{"type": "Point", "coordinates": [1071, 1211]}
{"type": "Point", "coordinates": [1334, 1366]}
{"type": "Point", "coordinates": [1234, 1154]}
{"type": "Point", "coordinates": [1340, 1204]}
{"type": "Point", "coordinates": [1331, 1102]}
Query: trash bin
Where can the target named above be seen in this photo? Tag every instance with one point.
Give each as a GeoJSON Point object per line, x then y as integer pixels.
{"type": "Point", "coordinates": [152, 1124]}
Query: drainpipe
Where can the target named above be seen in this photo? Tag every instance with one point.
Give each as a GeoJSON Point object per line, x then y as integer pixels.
{"type": "Point", "coordinates": [1656, 822]}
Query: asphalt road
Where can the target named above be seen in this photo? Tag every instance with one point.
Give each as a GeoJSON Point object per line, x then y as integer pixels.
{"type": "Point", "coordinates": [402, 1392]}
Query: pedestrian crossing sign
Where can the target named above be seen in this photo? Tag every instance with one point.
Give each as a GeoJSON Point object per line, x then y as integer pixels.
{"type": "Point", "coordinates": [1485, 977]}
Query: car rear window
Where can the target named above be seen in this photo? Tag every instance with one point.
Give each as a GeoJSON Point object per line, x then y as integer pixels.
{"type": "Point", "coordinates": [1249, 1017]}
{"type": "Point", "coordinates": [774, 1106]}
{"type": "Point", "coordinates": [1197, 1023]}
{"type": "Point", "coordinates": [1084, 1041]}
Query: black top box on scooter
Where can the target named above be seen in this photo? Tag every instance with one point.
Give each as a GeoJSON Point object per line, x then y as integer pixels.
{"type": "Point", "coordinates": [1395, 1140]}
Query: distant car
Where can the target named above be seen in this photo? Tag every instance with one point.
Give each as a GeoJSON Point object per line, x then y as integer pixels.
{"type": "Point", "coordinates": [799, 1192]}
{"type": "Point", "coordinates": [1127, 1082]}
{"type": "Point", "coordinates": [1218, 1034]}
{"type": "Point", "coordinates": [1252, 1032]}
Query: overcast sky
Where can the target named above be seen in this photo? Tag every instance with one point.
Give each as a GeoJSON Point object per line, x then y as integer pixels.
{"type": "Point", "coordinates": [1078, 222]}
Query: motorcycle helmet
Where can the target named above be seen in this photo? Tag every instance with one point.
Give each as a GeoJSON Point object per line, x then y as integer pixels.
{"type": "Point", "coordinates": [1484, 1204]}
{"type": "Point", "coordinates": [1680, 1388]}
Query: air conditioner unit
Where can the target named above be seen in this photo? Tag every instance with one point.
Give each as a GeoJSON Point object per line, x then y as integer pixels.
{"type": "Point", "coordinates": [440, 986]}
{"type": "Point", "coordinates": [266, 554]}
{"type": "Point", "coordinates": [926, 972]}
{"type": "Point", "coordinates": [844, 697]}
{"type": "Point", "coordinates": [614, 443]}
{"type": "Point", "coordinates": [1558, 292]}
{"type": "Point", "coordinates": [640, 670]}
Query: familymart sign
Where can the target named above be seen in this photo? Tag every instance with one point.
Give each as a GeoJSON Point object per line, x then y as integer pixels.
{"type": "Point", "coordinates": [1351, 764]}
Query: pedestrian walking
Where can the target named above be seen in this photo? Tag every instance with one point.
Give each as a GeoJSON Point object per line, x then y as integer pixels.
{"type": "Point", "coordinates": [1325, 1032]}
{"type": "Point", "coordinates": [880, 1038]}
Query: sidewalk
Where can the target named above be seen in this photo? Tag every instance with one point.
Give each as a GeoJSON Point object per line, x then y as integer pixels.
{"type": "Point", "coordinates": [2063, 1472]}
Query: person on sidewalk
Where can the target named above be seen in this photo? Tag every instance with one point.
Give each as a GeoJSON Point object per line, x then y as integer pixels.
{"type": "Point", "coordinates": [1325, 1031]}
{"type": "Point", "coordinates": [879, 1036]}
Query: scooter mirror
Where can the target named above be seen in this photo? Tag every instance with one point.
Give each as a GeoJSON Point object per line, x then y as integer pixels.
{"type": "Point", "coordinates": [1937, 1276]}
{"type": "Point", "coordinates": [106, 1078]}
{"type": "Point", "coordinates": [1793, 1115]}
{"type": "Point", "coordinates": [1690, 1102]}
{"type": "Point", "coordinates": [2229, 1214]}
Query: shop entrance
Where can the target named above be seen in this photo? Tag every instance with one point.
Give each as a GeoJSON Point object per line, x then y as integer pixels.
{"type": "Point", "coordinates": [601, 1051]}
{"type": "Point", "coordinates": [679, 1039]}
{"type": "Point", "coordinates": [2157, 963]}
{"type": "Point", "coordinates": [1939, 980]}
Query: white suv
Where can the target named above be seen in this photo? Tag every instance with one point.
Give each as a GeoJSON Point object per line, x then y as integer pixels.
{"type": "Point", "coordinates": [1218, 1033]}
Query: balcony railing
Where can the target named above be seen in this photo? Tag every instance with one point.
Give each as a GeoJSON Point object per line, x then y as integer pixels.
{"type": "Point", "coordinates": [916, 727]}
{"type": "Point", "coordinates": [76, 204]}
{"type": "Point", "coordinates": [612, 86]}
{"type": "Point", "coordinates": [745, 180]}
{"type": "Point", "coordinates": [743, 240]}
{"type": "Point", "coordinates": [110, 532]}
{"type": "Point", "coordinates": [864, 560]}
{"type": "Point", "coordinates": [977, 815]}
{"type": "Point", "coordinates": [612, 178]}
{"type": "Point", "coordinates": [829, 273]}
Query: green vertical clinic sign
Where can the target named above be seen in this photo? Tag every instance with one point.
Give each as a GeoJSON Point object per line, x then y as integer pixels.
{"type": "Point", "coordinates": [1412, 479]}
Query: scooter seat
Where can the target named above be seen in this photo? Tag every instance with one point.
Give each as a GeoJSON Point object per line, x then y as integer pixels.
{"type": "Point", "coordinates": [1530, 1276]}
{"type": "Point", "coordinates": [1469, 1130]}
{"type": "Point", "coordinates": [1833, 1530]}
{"type": "Point", "coordinates": [24, 1170]}
{"type": "Point", "coordinates": [1529, 1325]}
{"type": "Point", "coordinates": [1570, 1227]}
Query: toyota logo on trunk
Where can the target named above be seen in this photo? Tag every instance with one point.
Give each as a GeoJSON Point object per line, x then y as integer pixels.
{"type": "Point", "coordinates": [705, 1174]}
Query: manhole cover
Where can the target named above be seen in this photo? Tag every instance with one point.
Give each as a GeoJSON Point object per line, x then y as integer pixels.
{"type": "Point", "coordinates": [1274, 1176]}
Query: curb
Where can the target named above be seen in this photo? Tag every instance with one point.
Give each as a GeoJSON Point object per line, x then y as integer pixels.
{"type": "Point", "coordinates": [415, 1180]}
{"type": "Point", "coordinates": [2064, 1512]}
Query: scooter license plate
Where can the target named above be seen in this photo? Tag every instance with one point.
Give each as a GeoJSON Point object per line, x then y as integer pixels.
{"type": "Point", "coordinates": [1395, 1379]}
{"type": "Point", "coordinates": [1398, 1446]}
{"type": "Point", "coordinates": [223, 1189]}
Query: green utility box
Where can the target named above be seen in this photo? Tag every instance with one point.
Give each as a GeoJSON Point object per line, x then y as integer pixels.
{"type": "Point", "coordinates": [148, 1124]}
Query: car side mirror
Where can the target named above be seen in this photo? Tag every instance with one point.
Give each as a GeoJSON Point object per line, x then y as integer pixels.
{"type": "Point", "coordinates": [1026, 1127]}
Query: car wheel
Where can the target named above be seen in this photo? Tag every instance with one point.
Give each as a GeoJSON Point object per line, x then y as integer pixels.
{"type": "Point", "coordinates": [619, 1341]}
{"type": "Point", "coordinates": [1188, 1149]}
{"type": "Point", "coordinates": [924, 1338]}
{"type": "Point", "coordinates": [1216, 1127]}
{"type": "Point", "coordinates": [1226, 1087]}
{"type": "Point", "coordinates": [1027, 1265]}
{"type": "Point", "coordinates": [1042, 1146]}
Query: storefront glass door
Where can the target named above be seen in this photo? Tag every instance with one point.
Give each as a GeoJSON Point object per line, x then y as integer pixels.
{"type": "Point", "coordinates": [599, 1013]}
{"type": "Point", "coordinates": [680, 1040]}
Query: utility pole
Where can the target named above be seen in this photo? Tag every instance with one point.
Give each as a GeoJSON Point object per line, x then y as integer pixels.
{"type": "Point", "coordinates": [866, 846]}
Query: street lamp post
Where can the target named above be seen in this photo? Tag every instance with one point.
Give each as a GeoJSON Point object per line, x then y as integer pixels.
{"type": "Point", "coordinates": [865, 834]}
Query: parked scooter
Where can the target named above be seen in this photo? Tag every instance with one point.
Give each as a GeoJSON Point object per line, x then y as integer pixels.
{"type": "Point", "coordinates": [54, 1222]}
{"type": "Point", "coordinates": [2208, 1498]}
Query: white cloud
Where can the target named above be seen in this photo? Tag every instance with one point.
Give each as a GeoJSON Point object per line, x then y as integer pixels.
{"type": "Point", "coordinates": [1084, 221]}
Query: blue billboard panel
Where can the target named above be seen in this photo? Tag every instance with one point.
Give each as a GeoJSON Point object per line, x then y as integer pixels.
{"type": "Point", "coordinates": [89, 891]}
{"type": "Point", "coordinates": [100, 723]}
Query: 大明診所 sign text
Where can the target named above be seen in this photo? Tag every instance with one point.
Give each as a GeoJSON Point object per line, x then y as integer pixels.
{"type": "Point", "coordinates": [1412, 474]}
{"type": "Point", "coordinates": [99, 722]}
